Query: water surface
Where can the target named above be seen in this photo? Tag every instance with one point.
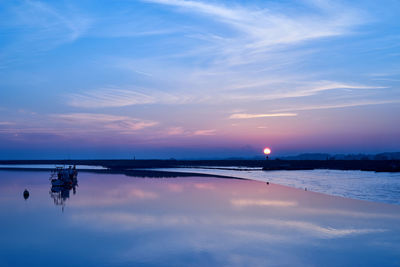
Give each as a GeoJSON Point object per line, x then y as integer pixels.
{"type": "Point", "coordinates": [115, 220]}
{"type": "Point", "coordinates": [365, 185]}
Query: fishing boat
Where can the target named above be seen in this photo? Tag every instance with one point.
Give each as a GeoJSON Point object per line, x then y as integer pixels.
{"type": "Point", "coordinates": [63, 180]}
{"type": "Point", "coordinates": [62, 176]}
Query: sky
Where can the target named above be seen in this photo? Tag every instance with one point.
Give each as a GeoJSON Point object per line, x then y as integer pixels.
{"type": "Point", "coordinates": [198, 79]}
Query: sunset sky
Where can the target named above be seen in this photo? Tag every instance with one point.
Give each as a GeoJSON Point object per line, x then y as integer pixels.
{"type": "Point", "coordinates": [198, 79]}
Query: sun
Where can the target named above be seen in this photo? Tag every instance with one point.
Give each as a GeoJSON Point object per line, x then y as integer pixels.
{"type": "Point", "coordinates": [267, 151]}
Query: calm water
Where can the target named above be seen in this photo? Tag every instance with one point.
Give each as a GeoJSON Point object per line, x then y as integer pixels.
{"type": "Point", "coordinates": [115, 220]}
{"type": "Point", "coordinates": [372, 186]}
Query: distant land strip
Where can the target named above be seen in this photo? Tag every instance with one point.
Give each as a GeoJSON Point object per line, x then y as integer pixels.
{"type": "Point", "coordinates": [267, 165]}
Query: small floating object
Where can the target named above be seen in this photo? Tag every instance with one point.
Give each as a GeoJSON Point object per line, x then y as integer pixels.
{"type": "Point", "coordinates": [267, 182]}
{"type": "Point", "coordinates": [26, 194]}
{"type": "Point", "coordinates": [305, 188]}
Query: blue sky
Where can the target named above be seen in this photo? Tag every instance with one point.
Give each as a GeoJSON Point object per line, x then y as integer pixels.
{"type": "Point", "coordinates": [186, 79]}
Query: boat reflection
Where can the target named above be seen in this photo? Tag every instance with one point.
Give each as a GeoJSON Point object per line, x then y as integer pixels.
{"type": "Point", "coordinates": [63, 180]}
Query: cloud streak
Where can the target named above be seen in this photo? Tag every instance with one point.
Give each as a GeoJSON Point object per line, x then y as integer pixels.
{"type": "Point", "coordinates": [114, 97]}
{"type": "Point", "coordinates": [260, 29]}
{"type": "Point", "coordinates": [205, 132]}
{"type": "Point", "coordinates": [123, 124]}
{"type": "Point", "coordinates": [49, 23]}
{"type": "Point", "coordinates": [235, 58]}
{"type": "Point", "coordinates": [109, 98]}
{"type": "Point", "coordinates": [253, 116]}
{"type": "Point", "coordinates": [335, 106]}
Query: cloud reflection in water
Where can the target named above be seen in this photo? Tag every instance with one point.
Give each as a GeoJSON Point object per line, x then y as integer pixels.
{"type": "Point", "coordinates": [197, 221]}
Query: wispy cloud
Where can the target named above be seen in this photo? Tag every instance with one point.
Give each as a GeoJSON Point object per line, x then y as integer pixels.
{"type": "Point", "coordinates": [269, 26]}
{"type": "Point", "coordinates": [255, 41]}
{"type": "Point", "coordinates": [258, 56]}
{"type": "Point", "coordinates": [175, 131]}
{"type": "Point", "coordinates": [334, 106]}
{"type": "Point", "coordinates": [6, 123]}
{"type": "Point", "coordinates": [188, 133]}
{"type": "Point", "coordinates": [236, 62]}
{"type": "Point", "coordinates": [253, 116]}
{"type": "Point", "coordinates": [205, 132]}
{"type": "Point", "coordinates": [34, 27]}
{"type": "Point", "coordinates": [197, 6]}
{"type": "Point", "coordinates": [259, 29]}
{"type": "Point", "coordinates": [113, 97]}
{"type": "Point", "coordinates": [109, 98]}
{"type": "Point", "coordinates": [294, 89]}
{"type": "Point", "coordinates": [49, 23]}
{"type": "Point", "coordinates": [116, 97]}
{"type": "Point", "coordinates": [106, 122]}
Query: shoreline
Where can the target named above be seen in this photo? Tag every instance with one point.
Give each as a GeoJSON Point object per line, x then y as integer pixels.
{"type": "Point", "coordinates": [266, 165]}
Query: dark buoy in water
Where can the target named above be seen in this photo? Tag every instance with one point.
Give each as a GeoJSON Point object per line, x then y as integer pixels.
{"type": "Point", "coordinates": [267, 183]}
{"type": "Point", "coordinates": [26, 194]}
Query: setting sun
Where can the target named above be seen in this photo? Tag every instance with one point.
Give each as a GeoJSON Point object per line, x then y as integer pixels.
{"type": "Point", "coordinates": [267, 151]}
